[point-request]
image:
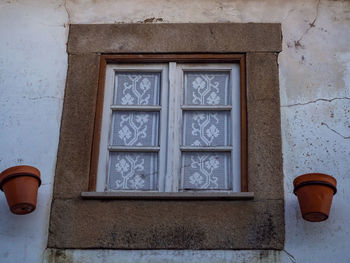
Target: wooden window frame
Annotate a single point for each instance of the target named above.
(166, 58)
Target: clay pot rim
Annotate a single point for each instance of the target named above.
(315, 179)
(314, 183)
(18, 171)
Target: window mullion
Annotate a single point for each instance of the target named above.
(178, 128)
(171, 184)
(163, 131)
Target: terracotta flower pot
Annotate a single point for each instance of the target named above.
(20, 185)
(315, 193)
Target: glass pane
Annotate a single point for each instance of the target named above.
(134, 88)
(206, 171)
(207, 88)
(130, 128)
(132, 171)
(206, 128)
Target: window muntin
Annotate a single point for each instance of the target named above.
(193, 134)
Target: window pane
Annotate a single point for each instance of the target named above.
(133, 171)
(131, 128)
(206, 171)
(207, 88)
(134, 88)
(206, 128)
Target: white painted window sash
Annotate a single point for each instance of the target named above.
(170, 124)
(109, 107)
(234, 70)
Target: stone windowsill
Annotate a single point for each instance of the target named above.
(169, 195)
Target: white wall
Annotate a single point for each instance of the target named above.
(315, 111)
(33, 65)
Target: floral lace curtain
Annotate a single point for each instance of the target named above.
(209, 170)
(206, 170)
(134, 170)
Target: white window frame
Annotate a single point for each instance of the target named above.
(171, 122)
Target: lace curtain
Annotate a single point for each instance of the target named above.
(209, 128)
(134, 170)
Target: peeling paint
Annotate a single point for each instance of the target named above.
(151, 20)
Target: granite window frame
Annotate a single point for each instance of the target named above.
(174, 224)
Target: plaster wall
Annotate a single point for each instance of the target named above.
(315, 113)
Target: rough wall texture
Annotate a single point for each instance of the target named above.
(79, 109)
(218, 38)
(314, 72)
(33, 66)
(167, 224)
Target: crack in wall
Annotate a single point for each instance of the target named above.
(42, 97)
(314, 101)
(67, 11)
(336, 132)
(322, 123)
(290, 256)
(297, 43)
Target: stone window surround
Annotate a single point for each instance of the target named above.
(174, 224)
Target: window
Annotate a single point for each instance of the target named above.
(144, 220)
(170, 127)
